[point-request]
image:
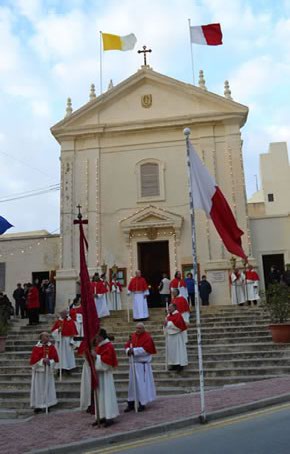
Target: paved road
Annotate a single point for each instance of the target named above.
(263, 432)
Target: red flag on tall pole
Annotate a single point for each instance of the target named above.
(91, 321)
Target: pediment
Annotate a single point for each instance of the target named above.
(151, 216)
(171, 99)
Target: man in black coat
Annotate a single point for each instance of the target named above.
(19, 299)
(204, 288)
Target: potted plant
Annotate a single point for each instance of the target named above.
(277, 304)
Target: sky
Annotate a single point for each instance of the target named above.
(49, 50)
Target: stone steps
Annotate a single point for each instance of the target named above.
(237, 348)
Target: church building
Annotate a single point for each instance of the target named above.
(123, 159)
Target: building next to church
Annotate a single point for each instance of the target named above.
(123, 159)
(269, 211)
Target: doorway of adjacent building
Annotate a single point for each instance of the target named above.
(270, 260)
(153, 260)
(39, 276)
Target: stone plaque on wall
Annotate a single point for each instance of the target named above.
(216, 276)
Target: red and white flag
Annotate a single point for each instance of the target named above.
(207, 196)
(210, 35)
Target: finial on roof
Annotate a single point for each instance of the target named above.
(201, 80)
(111, 85)
(227, 91)
(68, 109)
(92, 92)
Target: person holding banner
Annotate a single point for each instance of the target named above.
(43, 359)
(63, 332)
(139, 287)
(174, 327)
(140, 348)
(237, 279)
(100, 290)
(116, 289)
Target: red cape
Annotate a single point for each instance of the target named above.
(176, 283)
(33, 298)
(107, 354)
(177, 320)
(68, 327)
(117, 284)
(74, 311)
(181, 304)
(143, 340)
(138, 284)
(43, 351)
(99, 287)
(252, 276)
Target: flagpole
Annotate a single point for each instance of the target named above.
(101, 63)
(202, 416)
(191, 52)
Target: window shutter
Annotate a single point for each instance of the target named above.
(150, 180)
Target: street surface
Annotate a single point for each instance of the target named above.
(262, 432)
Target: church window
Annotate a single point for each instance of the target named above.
(150, 180)
(270, 197)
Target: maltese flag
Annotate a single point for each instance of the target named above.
(210, 35)
(207, 196)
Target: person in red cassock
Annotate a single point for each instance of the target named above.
(183, 307)
(76, 314)
(252, 285)
(141, 389)
(138, 286)
(105, 362)
(100, 290)
(33, 304)
(174, 326)
(63, 331)
(43, 359)
(180, 284)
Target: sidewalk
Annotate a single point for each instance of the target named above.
(60, 428)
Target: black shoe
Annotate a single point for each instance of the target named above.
(179, 368)
(141, 408)
(37, 410)
(108, 423)
(128, 409)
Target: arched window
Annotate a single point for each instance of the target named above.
(149, 179)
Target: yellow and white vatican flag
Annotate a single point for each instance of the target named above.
(116, 42)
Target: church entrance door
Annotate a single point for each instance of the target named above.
(153, 260)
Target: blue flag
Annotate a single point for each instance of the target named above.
(4, 225)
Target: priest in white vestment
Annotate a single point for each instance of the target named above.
(174, 327)
(140, 349)
(43, 359)
(116, 289)
(238, 287)
(138, 286)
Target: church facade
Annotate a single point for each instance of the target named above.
(123, 159)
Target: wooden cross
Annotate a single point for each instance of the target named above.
(79, 220)
(144, 51)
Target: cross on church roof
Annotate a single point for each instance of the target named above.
(144, 51)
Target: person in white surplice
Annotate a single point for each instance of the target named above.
(140, 349)
(105, 362)
(252, 285)
(43, 359)
(138, 286)
(116, 289)
(174, 327)
(238, 287)
(63, 331)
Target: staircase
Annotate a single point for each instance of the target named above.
(237, 348)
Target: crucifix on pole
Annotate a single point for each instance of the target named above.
(144, 51)
(80, 216)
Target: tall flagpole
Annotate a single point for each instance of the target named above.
(191, 52)
(202, 417)
(101, 63)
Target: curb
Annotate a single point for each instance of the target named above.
(94, 443)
